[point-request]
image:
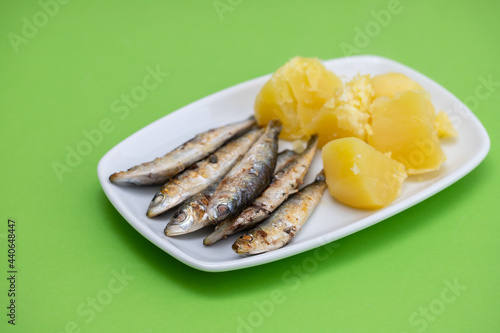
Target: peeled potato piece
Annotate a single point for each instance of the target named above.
(295, 94)
(392, 83)
(360, 176)
(404, 127)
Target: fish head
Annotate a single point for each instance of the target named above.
(180, 225)
(258, 241)
(123, 179)
(244, 245)
(250, 243)
(158, 205)
(186, 219)
(181, 222)
(220, 210)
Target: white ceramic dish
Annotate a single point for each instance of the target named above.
(331, 220)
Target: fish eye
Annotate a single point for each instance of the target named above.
(223, 209)
(179, 217)
(158, 198)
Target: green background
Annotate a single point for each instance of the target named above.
(72, 243)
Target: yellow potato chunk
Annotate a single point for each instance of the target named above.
(443, 126)
(391, 83)
(295, 94)
(360, 176)
(346, 114)
(404, 127)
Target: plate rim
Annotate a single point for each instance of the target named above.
(315, 242)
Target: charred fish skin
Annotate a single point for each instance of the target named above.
(200, 175)
(284, 223)
(192, 214)
(162, 168)
(284, 183)
(248, 178)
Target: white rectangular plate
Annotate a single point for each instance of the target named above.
(331, 220)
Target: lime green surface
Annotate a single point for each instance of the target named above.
(60, 79)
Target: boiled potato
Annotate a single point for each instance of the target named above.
(360, 176)
(404, 127)
(295, 94)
